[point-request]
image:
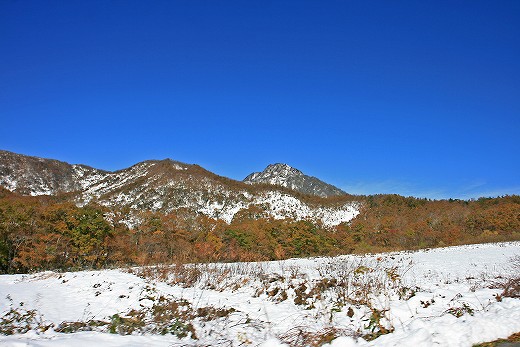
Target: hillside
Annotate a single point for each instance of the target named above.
(37, 176)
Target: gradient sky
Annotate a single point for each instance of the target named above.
(411, 97)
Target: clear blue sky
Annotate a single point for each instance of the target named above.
(411, 97)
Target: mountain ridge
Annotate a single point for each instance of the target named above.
(165, 186)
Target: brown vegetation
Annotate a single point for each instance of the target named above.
(512, 340)
(50, 233)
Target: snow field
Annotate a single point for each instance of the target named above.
(438, 297)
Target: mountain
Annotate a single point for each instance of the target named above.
(37, 176)
(166, 186)
(289, 177)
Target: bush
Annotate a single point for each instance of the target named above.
(20, 320)
(510, 285)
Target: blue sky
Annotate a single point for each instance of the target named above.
(410, 97)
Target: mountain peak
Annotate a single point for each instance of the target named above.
(286, 176)
(282, 169)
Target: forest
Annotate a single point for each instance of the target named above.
(43, 233)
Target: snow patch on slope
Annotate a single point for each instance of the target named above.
(113, 181)
(282, 206)
(87, 177)
(9, 183)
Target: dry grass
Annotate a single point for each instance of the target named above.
(306, 337)
(330, 290)
(217, 276)
(513, 339)
(510, 285)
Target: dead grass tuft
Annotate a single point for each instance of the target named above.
(510, 285)
(306, 337)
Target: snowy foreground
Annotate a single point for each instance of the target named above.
(441, 297)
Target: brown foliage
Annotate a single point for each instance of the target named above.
(392, 222)
(47, 233)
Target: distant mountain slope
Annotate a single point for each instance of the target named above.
(289, 177)
(165, 186)
(37, 176)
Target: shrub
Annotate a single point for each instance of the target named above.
(20, 320)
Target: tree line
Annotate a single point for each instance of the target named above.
(42, 233)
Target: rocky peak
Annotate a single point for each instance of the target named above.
(286, 176)
(282, 170)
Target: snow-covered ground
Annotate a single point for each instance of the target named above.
(438, 297)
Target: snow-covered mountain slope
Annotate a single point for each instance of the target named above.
(37, 176)
(289, 177)
(440, 297)
(164, 186)
(167, 186)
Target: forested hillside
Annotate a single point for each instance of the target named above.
(38, 233)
